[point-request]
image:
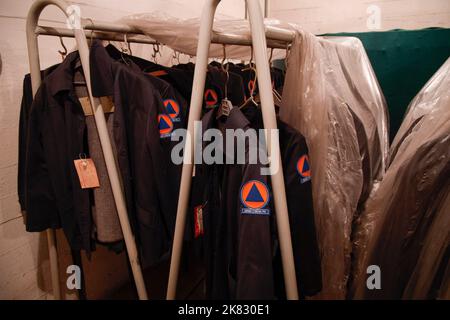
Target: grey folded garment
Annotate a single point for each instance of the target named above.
(104, 212)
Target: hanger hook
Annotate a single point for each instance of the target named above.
(127, 44)
(92, 31)
(251, 57)
(155, 51)
(225, 69)
(62, 53)
(175, 57)
(286, 58)
(270, 57)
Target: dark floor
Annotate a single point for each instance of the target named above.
(190, 282)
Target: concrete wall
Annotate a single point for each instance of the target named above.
(24, 268)
(330, 16)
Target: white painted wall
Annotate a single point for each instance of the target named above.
(24, 269)
(331, 16)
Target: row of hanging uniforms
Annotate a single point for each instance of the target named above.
(405, 227)
(144, 103)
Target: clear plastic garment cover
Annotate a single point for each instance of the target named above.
(182, 34)
(332, 97)
(405, 226)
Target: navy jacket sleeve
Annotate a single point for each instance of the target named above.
(297, 175)
(55, 138)
(40, 198)
(254, 254)
(253, 248)
(27, 99)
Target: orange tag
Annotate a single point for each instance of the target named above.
(87, 173)
(158, 73)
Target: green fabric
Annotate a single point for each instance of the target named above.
(403, 62)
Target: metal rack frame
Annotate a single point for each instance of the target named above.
(258, 39)
(276, 38)
(33, 31)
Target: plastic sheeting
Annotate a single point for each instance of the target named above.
(432, 259)
(405, 226)
(431, 99)
(182, 34)
(332, 97)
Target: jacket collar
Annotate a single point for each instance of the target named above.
(102, 70)
(103, 67)
(235, 120)
(61, 79)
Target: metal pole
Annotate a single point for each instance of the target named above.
(266, 8)
(204, 41)
(110, 161)
(68, 33)
(270, 123)
(35, 73)
(277, 37)
(231, 39)
(88, 24)
(111, 167)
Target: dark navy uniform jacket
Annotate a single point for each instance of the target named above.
(143, 124)
(241, 247)
(181, 80)
(27, 100)
(147, 111)
(55, 137)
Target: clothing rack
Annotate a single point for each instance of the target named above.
(33, 30)
(258, 39)
(276, 38)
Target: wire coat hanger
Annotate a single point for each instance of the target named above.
(156, 50)
(250, 99)
(92, 32)
(124, 49)
(128, 44)
(62, 53)
(276, 94)
(225, 106)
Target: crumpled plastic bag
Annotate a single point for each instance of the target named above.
(405, 226)
(332, 97)
(182, 34)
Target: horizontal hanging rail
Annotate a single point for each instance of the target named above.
(62, 32)
(276, 37)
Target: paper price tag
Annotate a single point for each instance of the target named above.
(87, 173)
